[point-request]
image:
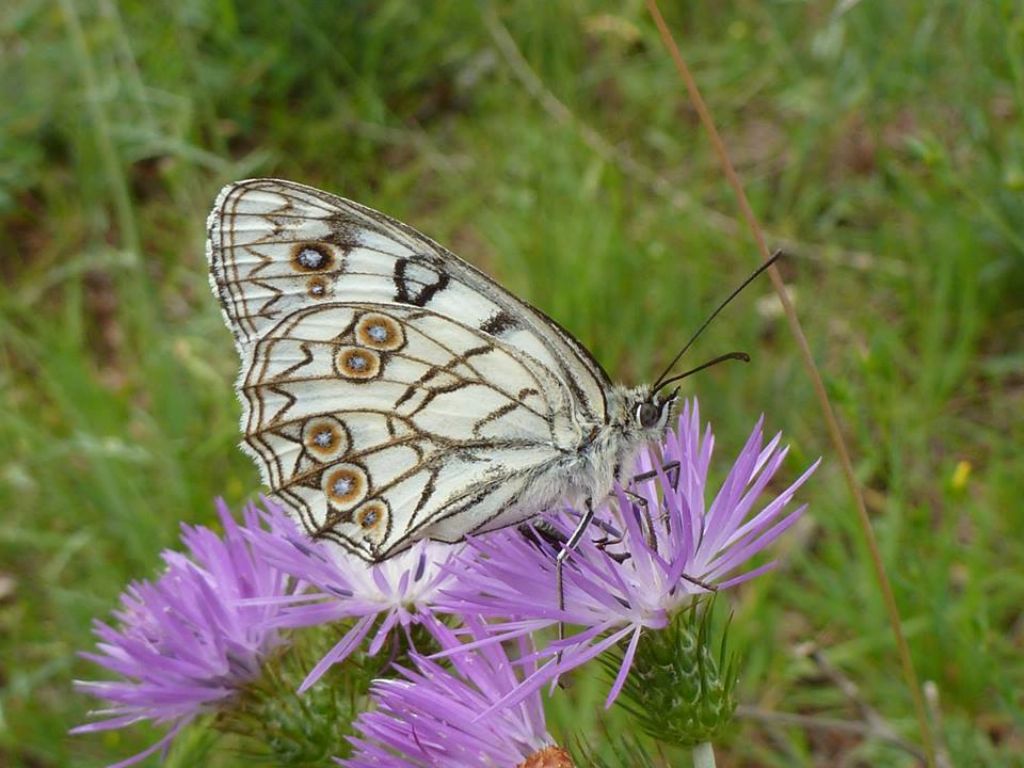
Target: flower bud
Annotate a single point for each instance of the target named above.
(681, 688)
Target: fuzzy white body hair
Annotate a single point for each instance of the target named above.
(602, 454)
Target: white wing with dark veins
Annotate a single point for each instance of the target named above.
(386, 384)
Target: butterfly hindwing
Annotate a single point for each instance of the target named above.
(396, 413)
(390, 391)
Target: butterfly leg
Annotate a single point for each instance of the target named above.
(570, 545)
(668, 469)
(641, 503)
(643, 517)
(672, 472)
(621, 557)
(702, 584)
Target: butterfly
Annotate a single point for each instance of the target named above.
(392, 392)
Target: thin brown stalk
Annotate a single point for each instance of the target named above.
(621, 158)
(832, 423)
(866, 730)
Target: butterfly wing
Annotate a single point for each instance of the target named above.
(389, 389)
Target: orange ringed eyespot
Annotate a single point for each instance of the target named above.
(325, 438)
(345, 485)
(317, 287)
(357, 363)
(373, 517)
(378, 331)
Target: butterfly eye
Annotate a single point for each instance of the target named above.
(647, 415)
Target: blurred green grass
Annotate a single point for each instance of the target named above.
(883, 141)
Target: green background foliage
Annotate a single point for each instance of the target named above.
(881, 142)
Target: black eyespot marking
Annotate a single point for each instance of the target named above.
(345, 485)
(369, 518)
(311, 257)
(647, 415)
(374, 518)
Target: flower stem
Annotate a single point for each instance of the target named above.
(704, 755)
(831, 421)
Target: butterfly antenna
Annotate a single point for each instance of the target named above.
(660, 382)
(742, 356)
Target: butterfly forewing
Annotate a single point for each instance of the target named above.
(276, 246)
(390, 391)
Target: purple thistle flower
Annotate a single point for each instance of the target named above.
(636, 568)
(430, 716)
(401, 591)
(187, 641)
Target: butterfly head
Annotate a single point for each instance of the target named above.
(647, 412)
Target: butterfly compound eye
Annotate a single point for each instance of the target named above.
(647, 415)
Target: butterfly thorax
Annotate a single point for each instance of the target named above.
(606, 451)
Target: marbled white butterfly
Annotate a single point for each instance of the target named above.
(392, 392)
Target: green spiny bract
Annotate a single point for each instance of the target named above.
(278, 726)
(681, 689)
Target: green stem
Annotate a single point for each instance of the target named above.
(704, 755)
